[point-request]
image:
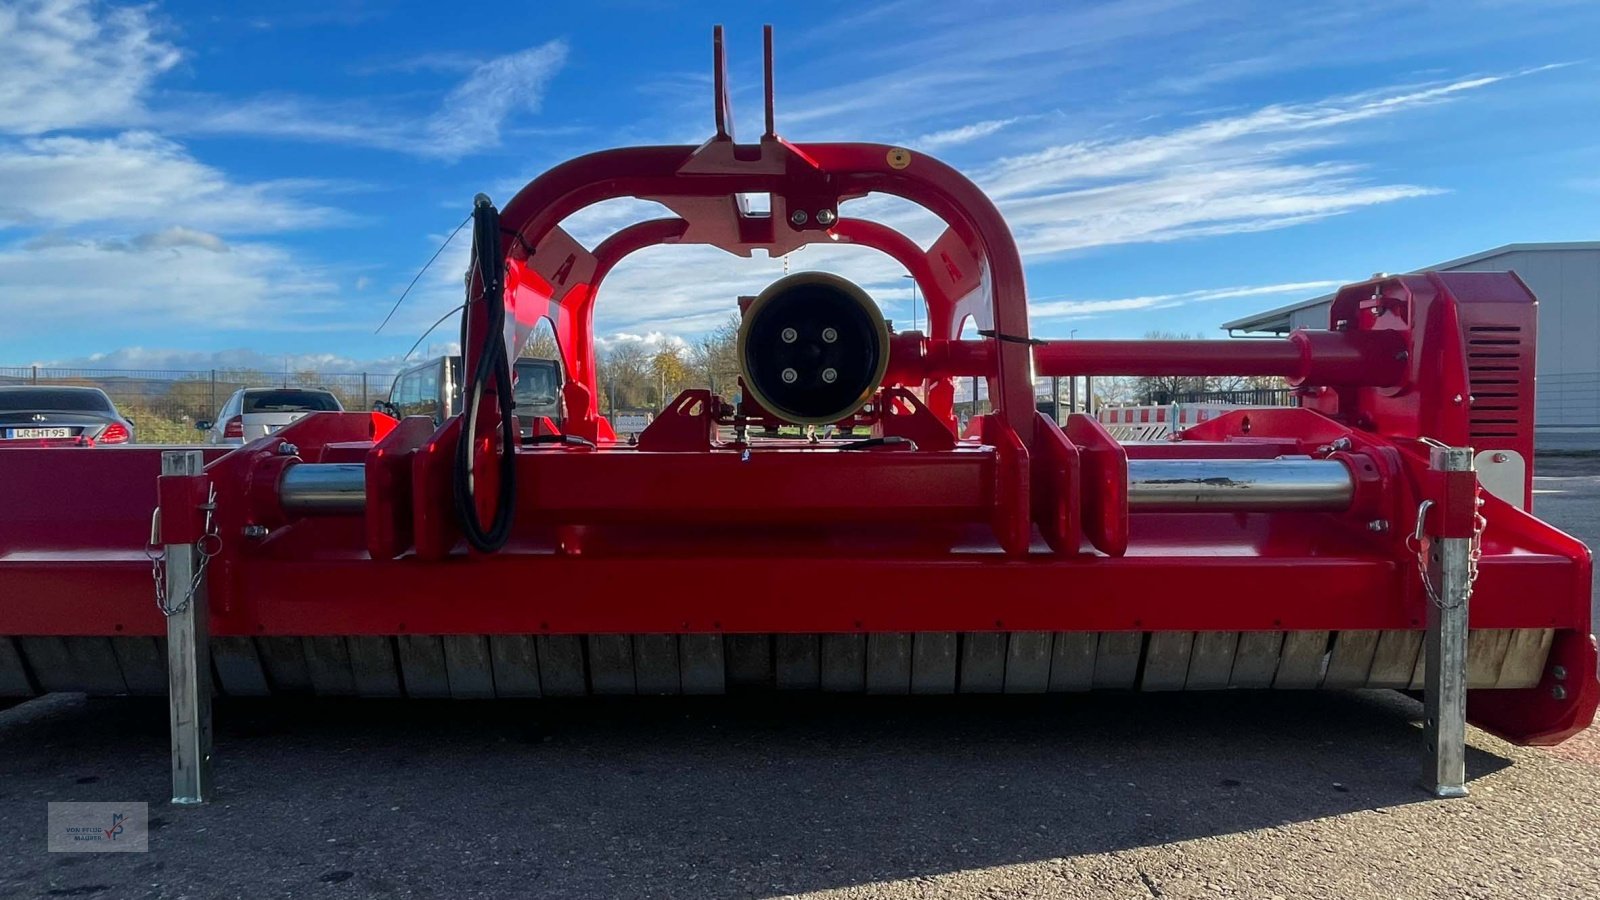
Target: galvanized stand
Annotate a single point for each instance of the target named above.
(1449, 570)
(188, 655)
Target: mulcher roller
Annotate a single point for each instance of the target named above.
(483, 666)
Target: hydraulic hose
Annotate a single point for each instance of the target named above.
(492, 364)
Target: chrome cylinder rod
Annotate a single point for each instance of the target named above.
(312, 489)
(1154, 485)
(1238, 485)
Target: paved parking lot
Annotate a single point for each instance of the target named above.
(1137, 796)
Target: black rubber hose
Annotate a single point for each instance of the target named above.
(492, 365)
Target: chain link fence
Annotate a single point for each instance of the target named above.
(164, 405)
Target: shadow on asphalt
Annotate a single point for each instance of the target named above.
(714, 797)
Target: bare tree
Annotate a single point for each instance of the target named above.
(542, 343)
(713, 359)
(624, 377)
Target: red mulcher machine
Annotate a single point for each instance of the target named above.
(1339, 544)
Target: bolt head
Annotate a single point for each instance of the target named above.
(287, 449)
(1456, 399)
(789, 335)
(1559, 673)
(1378, 526)
(829, 335)
(829, 376)
(255, 531)
(790, 376)
(799, 217)
(825, 217)
(1558, 692)
(1499, 457)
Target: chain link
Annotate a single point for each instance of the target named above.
(209, 545)
(1418, 542)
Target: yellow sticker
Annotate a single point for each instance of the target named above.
(899, 159)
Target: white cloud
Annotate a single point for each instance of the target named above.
(234, 358)
(75, 64)
(178, 236)
(960, 135)
(137, 177)
(475, 110)
(1240, 173)
(165, 281)
(469, 118)
(652, 341)
(1060, 308)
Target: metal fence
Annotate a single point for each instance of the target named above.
(165, 404)
(1279, 396)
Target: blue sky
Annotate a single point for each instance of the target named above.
(182, 185)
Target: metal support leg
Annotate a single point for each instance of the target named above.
(188, 656)
(1449, 568)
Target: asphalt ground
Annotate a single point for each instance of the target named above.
(1254, 795)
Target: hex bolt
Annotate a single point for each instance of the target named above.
(255, 531)
(829, 376)
(829, 335)
(1559, 673)
(825, 217)
(798, 217)
(288, 449)
(1499, 457)
(1456, 399)
(1378, 526)
(1558, 692)
(790, 376)
(790, 335)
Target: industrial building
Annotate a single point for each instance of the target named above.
(1566, 279)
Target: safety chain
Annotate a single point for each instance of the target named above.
(1418, 543)
(209, 545)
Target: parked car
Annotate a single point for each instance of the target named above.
(49, 415)
(253, 413)
(433, 389)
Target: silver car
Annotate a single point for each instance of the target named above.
(257, 412)
(49, 415)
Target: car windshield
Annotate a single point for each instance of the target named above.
(64, 399)
(536, 384)
(290, 401)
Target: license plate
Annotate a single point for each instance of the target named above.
(35, 433)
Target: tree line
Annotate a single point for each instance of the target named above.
(635, 375)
